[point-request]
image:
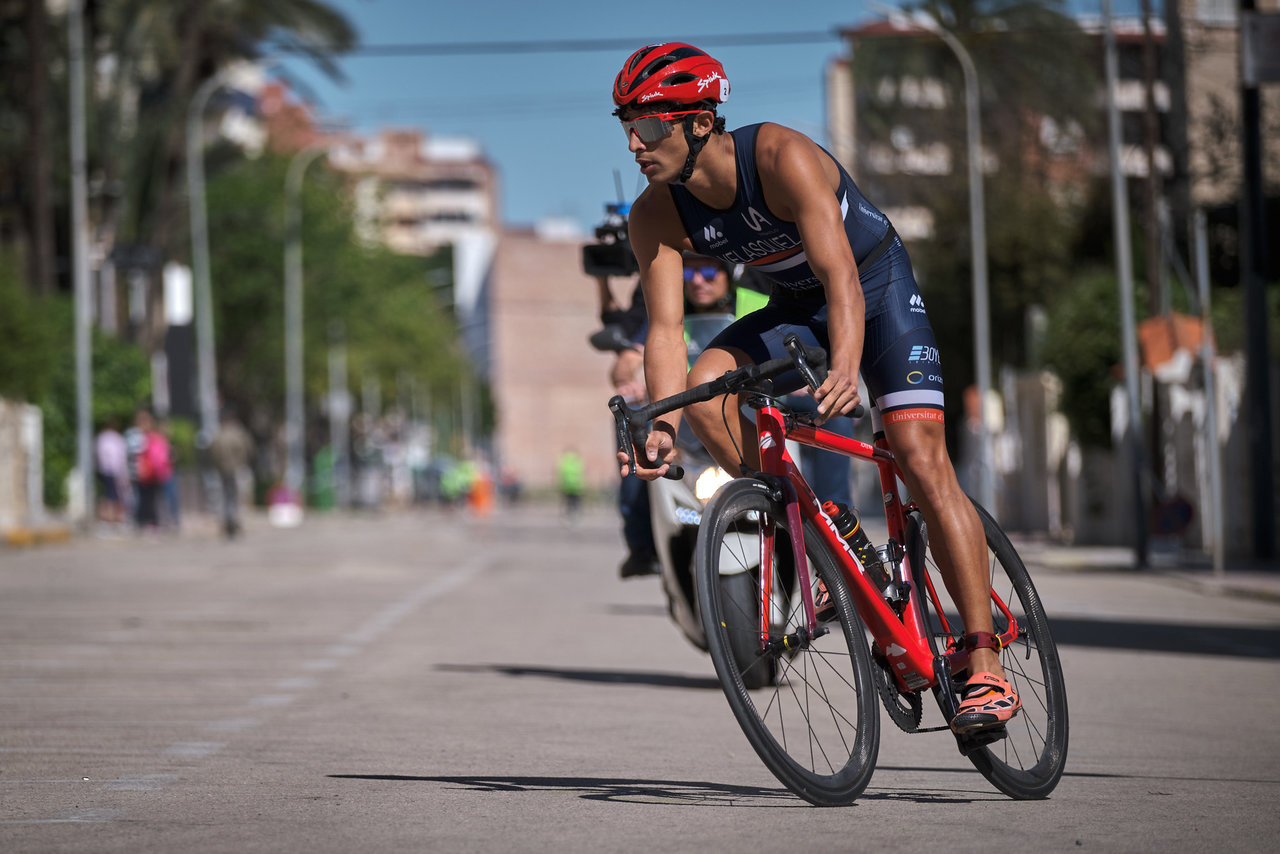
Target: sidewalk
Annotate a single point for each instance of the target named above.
(1250, 579)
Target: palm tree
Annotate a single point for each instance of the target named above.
(146, 59)
(164, 50)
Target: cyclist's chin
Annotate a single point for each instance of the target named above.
(659, 174)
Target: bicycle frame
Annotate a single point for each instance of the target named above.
(904, 640)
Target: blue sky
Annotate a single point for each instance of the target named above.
(543, 118)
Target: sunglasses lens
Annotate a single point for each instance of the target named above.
(647, 128)
(707, 273)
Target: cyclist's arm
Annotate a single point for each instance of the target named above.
(657, 238)
(799, 181)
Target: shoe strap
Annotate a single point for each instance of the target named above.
(982, 640)
(983, 683)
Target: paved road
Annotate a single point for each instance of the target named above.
(427, 682)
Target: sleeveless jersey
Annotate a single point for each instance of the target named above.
(749, 233)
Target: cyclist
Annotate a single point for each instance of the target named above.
(769, 197)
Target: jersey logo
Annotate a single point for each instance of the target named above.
(917, 303)
(755, 220)
(711, 235)
(921, 353)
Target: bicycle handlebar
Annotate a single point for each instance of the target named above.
(811, 362)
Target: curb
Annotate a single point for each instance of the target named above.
(22, 537)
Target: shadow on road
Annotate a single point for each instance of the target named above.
(666, 792)
(1177, 638)
(572, 674)
(663, 792)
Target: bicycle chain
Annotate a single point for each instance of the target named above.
(905, 710)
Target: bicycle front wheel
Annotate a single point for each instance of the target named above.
(808, 706)
(1028, 762)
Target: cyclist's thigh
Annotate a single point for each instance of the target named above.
(900, 361)
(760, 334)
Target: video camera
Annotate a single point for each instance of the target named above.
(611, 254)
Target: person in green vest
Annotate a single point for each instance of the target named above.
(571, 476)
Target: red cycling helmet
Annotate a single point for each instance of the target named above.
(671, 73)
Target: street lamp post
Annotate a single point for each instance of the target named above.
(295, 420)
(206, 369)
(80, 256)
(1124, 263)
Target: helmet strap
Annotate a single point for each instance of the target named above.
(695, 145)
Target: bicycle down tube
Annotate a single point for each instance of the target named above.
(898, 637)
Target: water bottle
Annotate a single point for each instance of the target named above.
(849, 526)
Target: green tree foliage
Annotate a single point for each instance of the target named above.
(161, 51)
(393, 326)
(37, 365)
(28, 334)
(146, 59)
(1082, 346)
(121, 385)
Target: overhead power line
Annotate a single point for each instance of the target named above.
(571, 45)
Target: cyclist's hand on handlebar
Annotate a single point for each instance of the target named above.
(658, 450)
(838, 395)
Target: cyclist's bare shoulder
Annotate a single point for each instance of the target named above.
(791, 164)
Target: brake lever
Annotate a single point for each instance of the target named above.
(809, 373)
(801, 355)
(627, 445)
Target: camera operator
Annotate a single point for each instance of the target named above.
(610, 257)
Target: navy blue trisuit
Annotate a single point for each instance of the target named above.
(900, 365)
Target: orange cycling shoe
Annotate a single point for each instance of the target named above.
(824, 606)
(986, 701)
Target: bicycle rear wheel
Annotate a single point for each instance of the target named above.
(809, 709)
(1028, 763)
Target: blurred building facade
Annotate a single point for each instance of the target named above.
(895, 166)
(1047, 482)
(417, 194)
(550, 388)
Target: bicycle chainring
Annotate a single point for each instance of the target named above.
(905, 710)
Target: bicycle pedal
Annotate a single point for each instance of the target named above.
(974, 741)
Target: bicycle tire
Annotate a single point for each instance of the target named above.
(1028, 763)
(815, 724)
(740, 591)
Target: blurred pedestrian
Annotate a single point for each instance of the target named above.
(229, 454)
(571, 477)
(112, 466)
(168, 497)
(152, 467)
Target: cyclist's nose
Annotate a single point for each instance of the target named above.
(634, 145)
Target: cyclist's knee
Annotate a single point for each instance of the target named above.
(921, 452)
(707, 416)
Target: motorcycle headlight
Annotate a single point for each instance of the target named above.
(711, 479)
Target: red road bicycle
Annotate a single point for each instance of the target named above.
(802, 680)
